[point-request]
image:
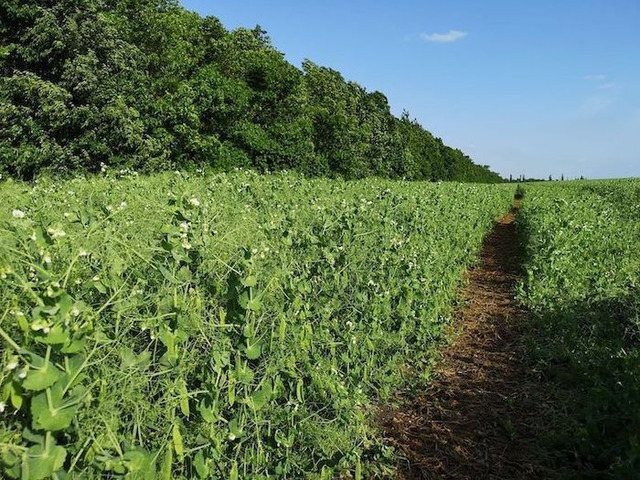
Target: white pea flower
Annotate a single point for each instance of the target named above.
(46, 258)
(56, 232)
(3, 406)
(185, 243)
(13, 364)
(23, 374)
(83, 253)
(39, 325)
(123, 205)
(75, 312)
(195, 202)
(184, 227)
(18, 213)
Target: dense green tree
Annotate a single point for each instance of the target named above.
(146, 84)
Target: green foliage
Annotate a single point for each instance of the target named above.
(221, 326)
(583, 284)
(150, 86)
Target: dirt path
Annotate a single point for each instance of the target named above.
(478, 418)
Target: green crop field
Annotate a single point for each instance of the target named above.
(240, 325)
(221, 326)
(582, 284)
(223, 260)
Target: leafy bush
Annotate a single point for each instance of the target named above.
(151, 86)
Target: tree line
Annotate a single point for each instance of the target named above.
(149, 85)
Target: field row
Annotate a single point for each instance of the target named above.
(583, 286)
(227, 326)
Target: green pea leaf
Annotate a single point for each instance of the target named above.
(243, 373)
(261, 397)
(254, 305)
(57, 335)
(184, 275)
(66, 304)
(53, 411)
(202, 468)
(140, 464)
(235, 429)
(253, 349)
(44, 460)
(75, 345)
(41, 378)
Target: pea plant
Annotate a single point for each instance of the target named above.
(221, 326)
(583, 286)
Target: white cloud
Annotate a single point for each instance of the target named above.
(598, 77)
(449, 37)
(609, 86)
(596, 105)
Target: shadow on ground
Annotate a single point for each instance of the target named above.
(588, 354)
(518, 395)
(480, 415)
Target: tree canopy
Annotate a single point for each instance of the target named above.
(148, 85)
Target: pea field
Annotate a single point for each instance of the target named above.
(224, 326)
(246, 326)
(582, 285)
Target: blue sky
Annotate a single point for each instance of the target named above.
(528, 87)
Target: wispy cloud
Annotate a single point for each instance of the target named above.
(449, 37)
(596, 105)
(602, 82)
(609, 86)
(605, 93)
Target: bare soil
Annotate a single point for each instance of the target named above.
(480, 416)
